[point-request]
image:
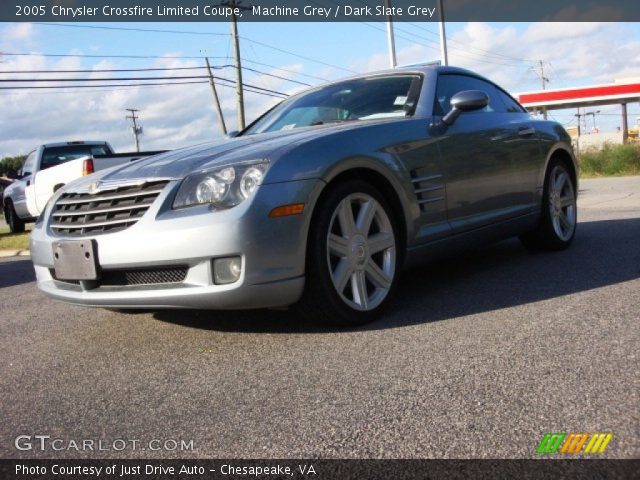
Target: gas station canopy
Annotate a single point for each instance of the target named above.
(621, 92)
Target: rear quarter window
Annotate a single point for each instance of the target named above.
(53, 156)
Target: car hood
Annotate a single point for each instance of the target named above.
(177, 164)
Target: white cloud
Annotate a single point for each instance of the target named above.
(172, 116)
(17, 32)
(176, 116)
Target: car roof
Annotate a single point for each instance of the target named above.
(416, 68)
(75, 142)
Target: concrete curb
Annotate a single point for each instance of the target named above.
(14, 253)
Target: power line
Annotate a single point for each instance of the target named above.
(78, 55)
(432, 45)
(467, 47)
(120, 70)
(130, 29)
(110, 70)
(229, 83)
(191, 32)
(99, 79)
(30, 87)
(436, 46)
(119, 87)
(61, 55)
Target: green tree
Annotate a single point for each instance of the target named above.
(9, 166)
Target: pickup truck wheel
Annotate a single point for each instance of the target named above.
(558, 219)
(352, 257)
(15, 224)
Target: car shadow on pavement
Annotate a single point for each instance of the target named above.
(16, 272)
(491, 278)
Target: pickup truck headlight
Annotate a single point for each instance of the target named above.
(223, 187)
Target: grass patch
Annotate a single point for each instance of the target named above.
(14, 241)
(611, 161)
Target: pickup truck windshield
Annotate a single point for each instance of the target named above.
(360, 99)
(53, 156)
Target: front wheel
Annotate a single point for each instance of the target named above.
(16, 225)
(558, 219)
(352, 257)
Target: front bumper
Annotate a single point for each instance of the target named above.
(272, 252)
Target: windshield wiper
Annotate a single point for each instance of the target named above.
(320, 122)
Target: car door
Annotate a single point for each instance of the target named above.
(527, 157)
(19, 198)
(477, 156)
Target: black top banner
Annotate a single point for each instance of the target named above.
(318, 10)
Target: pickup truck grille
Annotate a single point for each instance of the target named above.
(76, 214)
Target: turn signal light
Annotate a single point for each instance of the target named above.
(286, 210)
(87, 167)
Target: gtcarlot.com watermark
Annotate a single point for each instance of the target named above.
(45, 443)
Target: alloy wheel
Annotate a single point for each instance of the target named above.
(361, 251)
(562, 203)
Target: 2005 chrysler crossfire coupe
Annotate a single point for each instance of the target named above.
(318, 203)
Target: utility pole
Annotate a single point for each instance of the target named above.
(216, 100)
(580, 116)
(236, 51)
(134, 127)
(625, 124)
(540, 72)
(390, 36)
(443, 37)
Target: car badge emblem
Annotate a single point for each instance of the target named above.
(94, 187)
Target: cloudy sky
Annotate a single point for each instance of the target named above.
(574, 54)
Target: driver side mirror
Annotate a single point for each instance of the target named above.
(465, 101)
(233, 134)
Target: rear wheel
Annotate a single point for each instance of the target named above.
(558, 219)
(15, 224)
(352, 258)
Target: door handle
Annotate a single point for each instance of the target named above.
(28, 182)
(526, 131)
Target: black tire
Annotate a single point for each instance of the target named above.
(321, 301)
(546, 236)
(15, 224)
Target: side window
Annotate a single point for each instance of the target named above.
(510, 104)
(29, 164)
(449, 85)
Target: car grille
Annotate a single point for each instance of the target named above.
(140, 276)
(144, 276)
(76, 214)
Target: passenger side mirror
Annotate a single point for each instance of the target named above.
(233, 134)
(465, 101)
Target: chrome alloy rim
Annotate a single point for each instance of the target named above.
(562, 204)
(361, 252)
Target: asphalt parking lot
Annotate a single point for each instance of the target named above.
(478, 357)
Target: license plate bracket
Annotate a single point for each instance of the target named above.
(75, 260)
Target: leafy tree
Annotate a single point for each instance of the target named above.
(9, 166)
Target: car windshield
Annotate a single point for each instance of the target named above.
(360, 99)
(53, 156)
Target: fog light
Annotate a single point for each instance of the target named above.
(227, 270)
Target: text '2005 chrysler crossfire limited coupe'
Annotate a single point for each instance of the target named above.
(317, 204)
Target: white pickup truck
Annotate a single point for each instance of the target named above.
(50, 167)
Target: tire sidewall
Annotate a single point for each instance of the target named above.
(547, 222)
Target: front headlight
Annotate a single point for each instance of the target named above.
(223, 187)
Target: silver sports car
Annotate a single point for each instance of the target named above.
(318, 203)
